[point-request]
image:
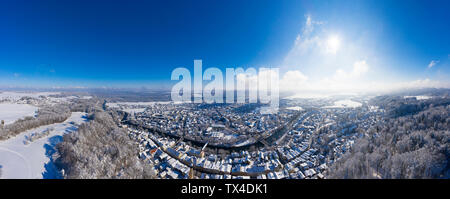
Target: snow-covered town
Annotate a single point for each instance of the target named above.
(193, 141)
(46, 134)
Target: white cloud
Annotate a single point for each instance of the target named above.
(342, 82)
(313, 46)
(260, 79)
(293, 80)
(309, 24)
(304, 41)
(324, 62)
(294, 76)
(420, 83)
(360, 68)
(433, 63)
(352, 81)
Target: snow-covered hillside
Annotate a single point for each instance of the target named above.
(32, 160)
(38, 98)
(17, 95)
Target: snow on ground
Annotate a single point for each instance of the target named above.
(295, 108)
(117, 104)
(419, 97)
(243, 143)
(307, 96)
(11, 112)
(59, 100)
(56, 98)
(134, 110)
(344, 104)
(20, 160)
(18, 95)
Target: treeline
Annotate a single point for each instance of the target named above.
(397, 106)
(87, 105)
(45, 116)
(99, 149)
(410, 146)
(50, 115)
(141, 95)
(37, 135)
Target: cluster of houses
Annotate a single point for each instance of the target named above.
(299, 154)
(171, 158)
(217, 125)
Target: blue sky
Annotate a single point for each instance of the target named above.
(139, 43)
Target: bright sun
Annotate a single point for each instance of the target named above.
(333, 44)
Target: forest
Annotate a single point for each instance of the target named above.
(413, 141)
(99, 150)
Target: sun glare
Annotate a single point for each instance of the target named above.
(333, 44)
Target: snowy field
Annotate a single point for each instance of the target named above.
(20, 160)
(18, 95)
(11, 112)
(307, 96)
(295, 108)
(344, 104)
(15, 97)
(419, 97)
